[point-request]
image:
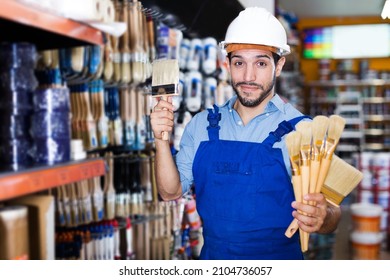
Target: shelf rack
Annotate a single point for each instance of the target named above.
(374, 98)
(22, 23)
(19, 22)
(14, 184)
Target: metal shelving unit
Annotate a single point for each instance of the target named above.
(13, 184)
(373, 99)
(19, 22)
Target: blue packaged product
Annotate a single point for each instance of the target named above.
(20, 99)
(15, 153)
(50, 124)
(15, 55)
(16, 79)
(51, 99)
(51, 150)
(14, 126)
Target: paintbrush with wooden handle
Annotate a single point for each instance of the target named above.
(335, 129)
(304, 127)
(165, 81)
(115, 46)
(124, 47)
(293, 144)
(319, 127)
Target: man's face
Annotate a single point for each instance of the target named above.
(253, 73)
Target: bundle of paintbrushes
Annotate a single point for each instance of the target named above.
(315, 169)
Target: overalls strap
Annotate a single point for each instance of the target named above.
(284, 128)
(213, 117)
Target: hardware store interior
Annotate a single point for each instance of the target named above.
(77, 152)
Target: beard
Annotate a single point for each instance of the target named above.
(266, 90)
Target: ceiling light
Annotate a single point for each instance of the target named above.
(386, 10)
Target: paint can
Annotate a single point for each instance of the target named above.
(366, 217)
(366, 245)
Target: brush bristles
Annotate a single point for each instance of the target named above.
(165, 72)
(293, 143)
(335, 128)
(342, 178)
(319, 128)
(304, 127)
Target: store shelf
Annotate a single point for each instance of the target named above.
(347, 148)
(339, 83)
(19, 22)
(14, 184)
(375, 147)
(376, 100)
(377, 118)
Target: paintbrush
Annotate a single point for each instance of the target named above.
(319, 128)
(109, 190)
(342, 178)
(335, 129)
(116, 77)
(124, 46)
(108, 63)
(304, 127)
(165, 81)
(293, 143)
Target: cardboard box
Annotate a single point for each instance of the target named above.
(41, 220)
(14, 241)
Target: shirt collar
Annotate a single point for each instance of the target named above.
(275, 103)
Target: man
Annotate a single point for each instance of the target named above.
(236, 157)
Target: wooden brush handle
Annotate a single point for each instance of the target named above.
(150, 28)
(115, 46)
(124, 47)
(314, 170)
(108, 63)
(165, 135)
(325, 164)
(305, 174)
(292, 228)
(302, 239)
(305, 243)
(297, 184)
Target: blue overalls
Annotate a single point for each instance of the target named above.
(244, 195)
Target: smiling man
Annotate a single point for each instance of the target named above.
(235, 155)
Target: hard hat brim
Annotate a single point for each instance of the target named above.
(236, 47)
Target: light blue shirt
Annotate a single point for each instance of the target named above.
(232, 128)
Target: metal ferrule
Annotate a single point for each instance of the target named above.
(315, 154)
(296, 171)
(305, 155)
(330, 148)
(165, 89)
(332, 195)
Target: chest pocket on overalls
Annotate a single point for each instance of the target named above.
(234, 196)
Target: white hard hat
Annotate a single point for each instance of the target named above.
(257, 26)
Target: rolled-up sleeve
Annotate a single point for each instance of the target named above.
(185, 157)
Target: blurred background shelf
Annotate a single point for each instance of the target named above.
(19, 22)
(14, 184)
